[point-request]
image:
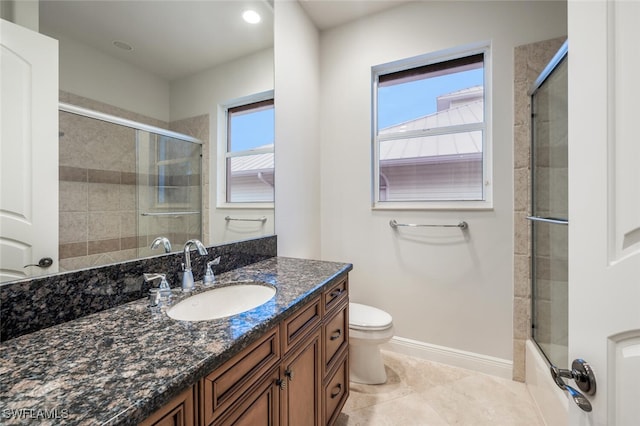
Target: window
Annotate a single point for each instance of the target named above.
(248, 154)
(430, 131)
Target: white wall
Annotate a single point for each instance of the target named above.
(204, 93)
(297, 149)
(87, 72)
(441, 287)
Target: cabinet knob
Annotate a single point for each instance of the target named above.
(289, 374)
(336, 390)
(335, 293)
(281, 384)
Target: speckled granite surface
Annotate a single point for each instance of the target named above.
(33, 304)
(117, 366)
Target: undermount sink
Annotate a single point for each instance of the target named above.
(222, 302)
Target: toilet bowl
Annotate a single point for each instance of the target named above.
(369, 327)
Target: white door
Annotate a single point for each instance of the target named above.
(604, 206)
(28, 152)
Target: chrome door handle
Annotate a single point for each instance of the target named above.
(45, 262)
(583, 375)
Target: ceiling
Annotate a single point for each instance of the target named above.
(331, 13)
(171, 39)
(175, 39)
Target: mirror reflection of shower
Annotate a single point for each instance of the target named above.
(122, 184)
(549, 210)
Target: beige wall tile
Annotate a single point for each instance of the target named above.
(104, 225)
(73, 227)
(73, 197)
(104, 197)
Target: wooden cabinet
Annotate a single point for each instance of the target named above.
(335, 350)
(178, 412)
(296, 374)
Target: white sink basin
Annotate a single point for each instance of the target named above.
(222, 302)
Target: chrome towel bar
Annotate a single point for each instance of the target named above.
(167, 213)
(262, 219)
(394, 224)
(548, 220)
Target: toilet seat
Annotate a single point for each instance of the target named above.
(363, 317)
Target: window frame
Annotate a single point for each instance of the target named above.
(222, 152)
(487, 168)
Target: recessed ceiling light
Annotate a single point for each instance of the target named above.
(251, 16)
(122, 45)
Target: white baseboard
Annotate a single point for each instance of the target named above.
(455, 357)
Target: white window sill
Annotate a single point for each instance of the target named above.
(433, 205)
(246, 206)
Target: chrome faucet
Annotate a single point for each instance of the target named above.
(165, 243)
(187, 274)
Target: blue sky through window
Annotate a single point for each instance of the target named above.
(251, 130)
(407, 101)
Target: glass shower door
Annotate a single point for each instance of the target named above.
(169, 190)
(550, 212)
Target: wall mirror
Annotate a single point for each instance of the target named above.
(168, 64)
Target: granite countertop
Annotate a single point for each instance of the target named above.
(118, 366)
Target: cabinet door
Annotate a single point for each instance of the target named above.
(301, 397)
(260, 408)
(178, 412)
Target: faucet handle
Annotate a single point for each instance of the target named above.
(150, 277)
(209, 278)
(164, 285)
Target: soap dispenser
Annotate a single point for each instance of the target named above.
(209, 279)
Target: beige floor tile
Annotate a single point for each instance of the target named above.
(425, 393)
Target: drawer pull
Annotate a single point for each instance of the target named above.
(289, 374)
(335, 293)
(337, 390)
(336, 335)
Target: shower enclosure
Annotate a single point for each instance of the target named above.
(549, 210)
(122, 184)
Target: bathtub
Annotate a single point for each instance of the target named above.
(552, 402)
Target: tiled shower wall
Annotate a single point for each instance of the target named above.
(530, 60)
(98, 214)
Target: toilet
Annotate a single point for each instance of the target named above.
(369, 327)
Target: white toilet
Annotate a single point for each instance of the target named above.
(369, 327)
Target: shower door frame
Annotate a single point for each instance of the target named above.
(560, 57)
(137, 126)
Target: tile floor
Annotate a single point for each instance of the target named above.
(424, 393)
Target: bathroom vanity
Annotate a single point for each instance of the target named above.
(285, 362)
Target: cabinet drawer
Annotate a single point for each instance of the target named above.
(336, 336)
(222, 387)
(300, 324)
(335, 295)
(336, 391)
